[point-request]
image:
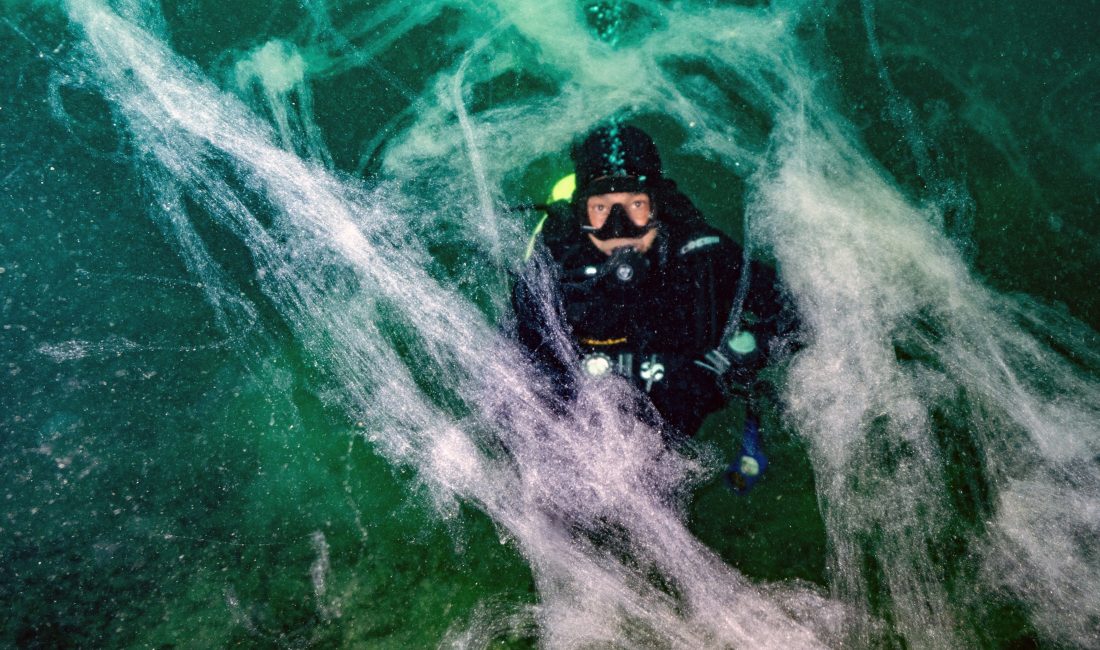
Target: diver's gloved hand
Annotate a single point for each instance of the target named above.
(734, 363)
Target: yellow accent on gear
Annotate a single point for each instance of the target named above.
(563, 189)
(603, 341)
(534, 238)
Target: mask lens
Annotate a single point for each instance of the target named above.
(619, 226)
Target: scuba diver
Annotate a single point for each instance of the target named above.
(627, 278)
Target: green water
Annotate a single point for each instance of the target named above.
(188, 460)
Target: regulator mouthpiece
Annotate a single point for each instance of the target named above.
(626, 267)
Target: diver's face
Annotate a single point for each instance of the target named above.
(639, 211)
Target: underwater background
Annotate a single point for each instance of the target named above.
(254, 273)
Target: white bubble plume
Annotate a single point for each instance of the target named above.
(899, 336)
(907, 356)
(399, 330)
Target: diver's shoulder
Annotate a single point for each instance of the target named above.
(700, 239)
(557, 231)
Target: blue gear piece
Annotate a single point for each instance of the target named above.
(750, 463)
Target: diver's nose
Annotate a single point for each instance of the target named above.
(617, 220)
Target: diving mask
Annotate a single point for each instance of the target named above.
(619, 226)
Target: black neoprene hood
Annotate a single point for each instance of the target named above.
(615, 158)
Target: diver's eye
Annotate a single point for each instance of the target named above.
(639, 204)
(600, 208)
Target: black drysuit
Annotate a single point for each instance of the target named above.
(572, 316)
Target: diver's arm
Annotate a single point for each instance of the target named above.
(740, 349)
(540, 327)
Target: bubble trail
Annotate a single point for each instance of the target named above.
(900, 336)
(916, 380)
(596, 468)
